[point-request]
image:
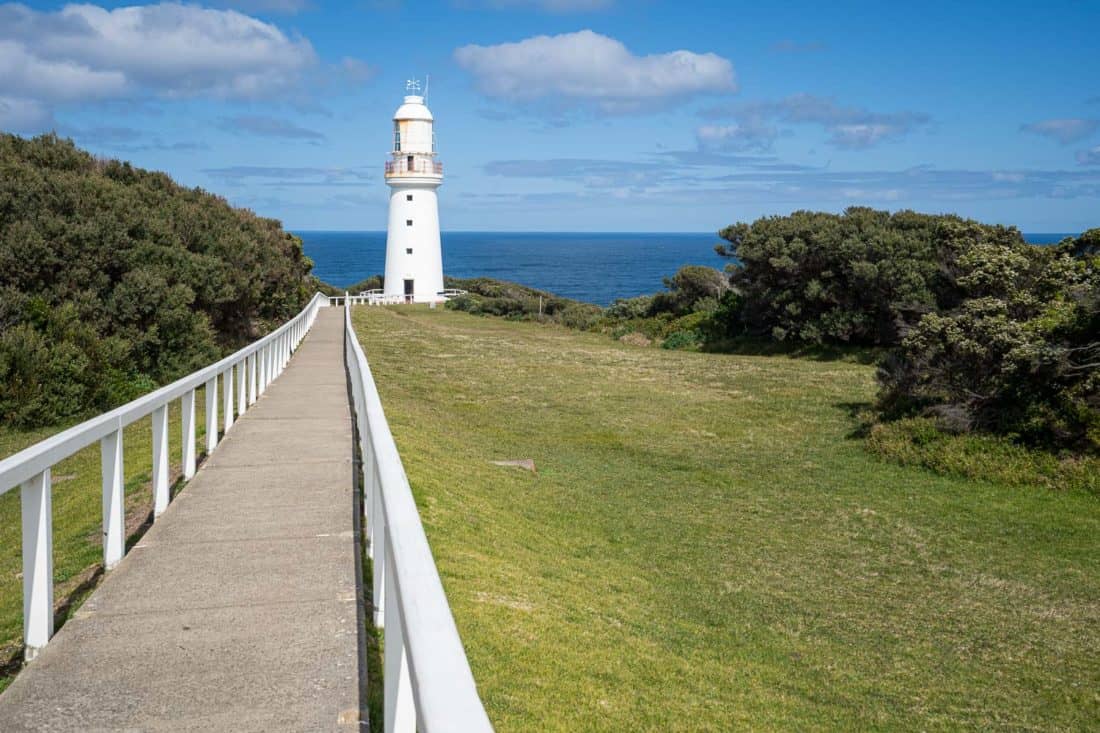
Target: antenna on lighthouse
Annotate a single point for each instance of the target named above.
(427, 83)
(412, 85)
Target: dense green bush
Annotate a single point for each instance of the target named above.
(862, 277)
(1019, 355)
(693, 288)
(113, 279)
(985, 331)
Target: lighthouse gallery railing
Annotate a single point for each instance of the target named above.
(248, 372)
(427, 679)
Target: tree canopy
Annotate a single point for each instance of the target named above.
(113, 279)
(861, 277)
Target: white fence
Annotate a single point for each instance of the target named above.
(245, 374)
(428, 683)
(378, 297)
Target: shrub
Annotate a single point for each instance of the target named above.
(1019, 355)
(691, 286)
(863, 277)
(113, 279)
(681, 340)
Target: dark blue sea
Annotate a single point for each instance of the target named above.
(597, 268)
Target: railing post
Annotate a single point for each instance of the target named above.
(211, 415)
(37, 510)
(378, 552)
(227, 388)
(253, 394)
(114, 501)
(369, 486)
(261, 357)
(400, 711)
(242, 391)
(187, 434)
(160, 460)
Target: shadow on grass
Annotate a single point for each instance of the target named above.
(813, 352)
(861, 415)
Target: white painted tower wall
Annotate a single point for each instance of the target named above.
(413, 247)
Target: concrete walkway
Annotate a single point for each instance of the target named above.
(239, 610)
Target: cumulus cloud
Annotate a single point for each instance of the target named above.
(852, 128)
(1065, 131)
(1089, 157)
(84, 52)
(752, 134)
(764, 179)
(586, 69)
(263, 126)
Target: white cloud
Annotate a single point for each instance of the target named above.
(591, 70)
(85, 52)
(53, 80)
(1065, 131)
(848, 127)
(1089, 157)
(748, 135)
(23, 115)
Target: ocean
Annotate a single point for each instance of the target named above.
(595, 268)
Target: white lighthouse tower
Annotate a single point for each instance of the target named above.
(414, 257)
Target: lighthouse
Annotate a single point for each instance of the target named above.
(414, 257)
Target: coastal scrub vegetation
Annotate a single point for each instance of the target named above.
(983, 330)
(114, 279)
(982, 340)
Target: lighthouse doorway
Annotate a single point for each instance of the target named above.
(408, 291)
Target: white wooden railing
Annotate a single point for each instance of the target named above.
(378, 297)
(248, 371)
(428, 683)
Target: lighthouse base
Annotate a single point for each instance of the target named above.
(414, 258)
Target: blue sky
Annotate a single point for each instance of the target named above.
(582, 115)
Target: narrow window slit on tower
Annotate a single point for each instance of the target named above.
(408, 250)
(408, 197)
(408, 222)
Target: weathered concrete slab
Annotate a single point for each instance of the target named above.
(240, 609)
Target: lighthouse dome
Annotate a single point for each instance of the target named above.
(413, 109)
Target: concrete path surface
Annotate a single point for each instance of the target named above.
(239, 609)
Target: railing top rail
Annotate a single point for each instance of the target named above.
(443, 685)
(31, 461)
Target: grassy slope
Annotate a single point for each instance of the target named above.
(77, 512)
(705, 548)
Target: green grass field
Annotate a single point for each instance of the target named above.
(77, 519)
(708, 546)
